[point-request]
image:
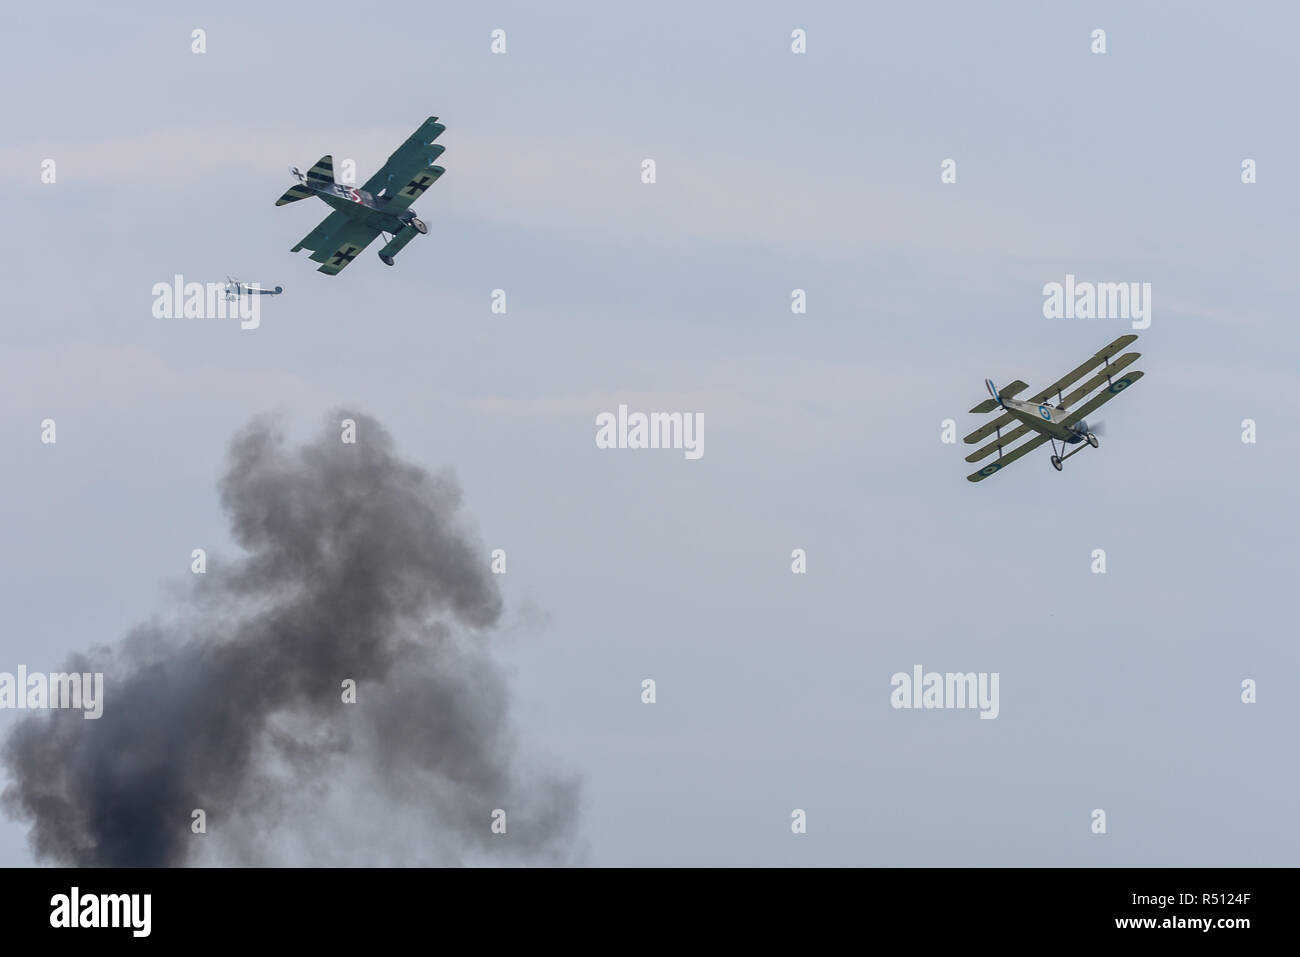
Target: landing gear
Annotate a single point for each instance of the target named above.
(419, 225)
(387, 260)
(1083, 441)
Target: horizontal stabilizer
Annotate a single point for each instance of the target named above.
(1006, 392)
(293, 194)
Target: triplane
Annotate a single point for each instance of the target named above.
(382, 205)
(1053, 423)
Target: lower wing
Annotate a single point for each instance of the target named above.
(1006, 459)
(337, 241)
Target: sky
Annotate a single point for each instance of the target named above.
(775, 171)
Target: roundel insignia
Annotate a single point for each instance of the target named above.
(1120, 385)
(1045, 412)
(990, 469)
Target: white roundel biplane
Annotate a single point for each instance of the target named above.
(1053, 423)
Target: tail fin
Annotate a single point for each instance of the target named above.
(988, 405)
(322, 174)
(318, 177)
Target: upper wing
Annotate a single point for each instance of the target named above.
(1115, 388)
(1007, 459)
(1110, 371)
(1078, 373)
(410, 170)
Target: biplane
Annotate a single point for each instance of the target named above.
(1050, 423)
(382, 205)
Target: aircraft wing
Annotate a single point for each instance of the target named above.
(410, 170)
(344, 247)
(1006, 459)
(331, 225)
(336, 242)
(984, 431)
(1122, 362)
(992, 447)
(1115, 388)
(1078, 373)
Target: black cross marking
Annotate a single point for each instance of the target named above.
(343, 257)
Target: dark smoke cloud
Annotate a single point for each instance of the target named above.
(356, 566)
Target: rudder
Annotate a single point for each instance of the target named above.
(322, 173)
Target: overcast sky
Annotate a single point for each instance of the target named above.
(775, 171)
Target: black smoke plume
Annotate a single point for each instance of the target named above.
(357, 566)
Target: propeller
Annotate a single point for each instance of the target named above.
(1098, 428)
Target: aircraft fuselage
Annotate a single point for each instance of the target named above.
(362, 206)
(1047, 419)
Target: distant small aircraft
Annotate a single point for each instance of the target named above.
(1051, 422)
(382, 205)
(235, 288)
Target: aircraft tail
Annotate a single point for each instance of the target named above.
(318, 177)
(294, 193)
(988, 405)
(322, 174)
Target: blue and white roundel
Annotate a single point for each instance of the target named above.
(1119, 385)
(1045, 412)
(990, 469)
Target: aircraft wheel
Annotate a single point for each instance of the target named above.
(419, 225)
(387, 260)
(1056, 463)
(1093, 440)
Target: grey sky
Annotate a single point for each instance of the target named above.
(775, 172)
